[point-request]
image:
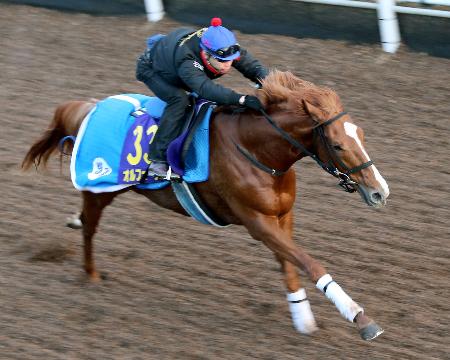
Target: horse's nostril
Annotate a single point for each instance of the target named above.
(377, 197)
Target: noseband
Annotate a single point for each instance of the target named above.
(344, 177)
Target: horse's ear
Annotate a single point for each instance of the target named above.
(313, 111)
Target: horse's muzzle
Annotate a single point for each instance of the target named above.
(373, 197)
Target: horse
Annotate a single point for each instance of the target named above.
(252, 181)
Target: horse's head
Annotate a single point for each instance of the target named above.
(334, 141)
(339, 143)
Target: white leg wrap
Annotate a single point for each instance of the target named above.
(301, 313)
(346, 306)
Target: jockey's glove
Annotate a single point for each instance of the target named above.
(251, 102)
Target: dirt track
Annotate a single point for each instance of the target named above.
(176, 289)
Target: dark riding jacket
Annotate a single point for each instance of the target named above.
(176, 58)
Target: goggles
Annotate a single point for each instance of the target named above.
(225, 52)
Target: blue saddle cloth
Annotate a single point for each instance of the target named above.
(110, 151)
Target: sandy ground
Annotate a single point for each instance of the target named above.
(177, 289)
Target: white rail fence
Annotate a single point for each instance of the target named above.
(386, 10)
(154, 10)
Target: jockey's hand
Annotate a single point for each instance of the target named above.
(252, 102)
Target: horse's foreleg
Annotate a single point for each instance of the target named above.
(266, 228)
(301, 313)
(93, 205)
(299, 306)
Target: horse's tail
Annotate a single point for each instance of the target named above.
(66, 122)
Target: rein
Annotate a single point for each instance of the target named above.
(345, 181)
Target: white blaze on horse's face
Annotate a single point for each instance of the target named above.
(367, 194)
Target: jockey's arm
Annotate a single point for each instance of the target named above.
(250, 67)
(192, 74)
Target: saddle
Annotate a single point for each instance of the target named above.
(110, 151)
(179, 156)
(177, 152)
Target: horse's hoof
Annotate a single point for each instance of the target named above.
(74, 222)
(95, 277)
(371, 331)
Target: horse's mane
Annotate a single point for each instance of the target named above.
(285, 88)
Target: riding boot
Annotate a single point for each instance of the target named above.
(169, 128)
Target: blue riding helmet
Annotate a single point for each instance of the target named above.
(220, 42)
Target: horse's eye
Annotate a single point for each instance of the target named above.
(337, 147)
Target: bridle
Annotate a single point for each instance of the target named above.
(318, 131)
(344, 177)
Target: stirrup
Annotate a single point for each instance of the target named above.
(171, 176)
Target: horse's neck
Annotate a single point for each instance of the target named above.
(268, 144)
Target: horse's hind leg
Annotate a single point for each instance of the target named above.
(299, 306)
(93, 205)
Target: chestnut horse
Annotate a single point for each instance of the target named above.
(252, 181)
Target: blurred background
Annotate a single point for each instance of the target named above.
(424, 25)
(176, 289)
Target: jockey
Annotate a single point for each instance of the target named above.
(187, 61)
